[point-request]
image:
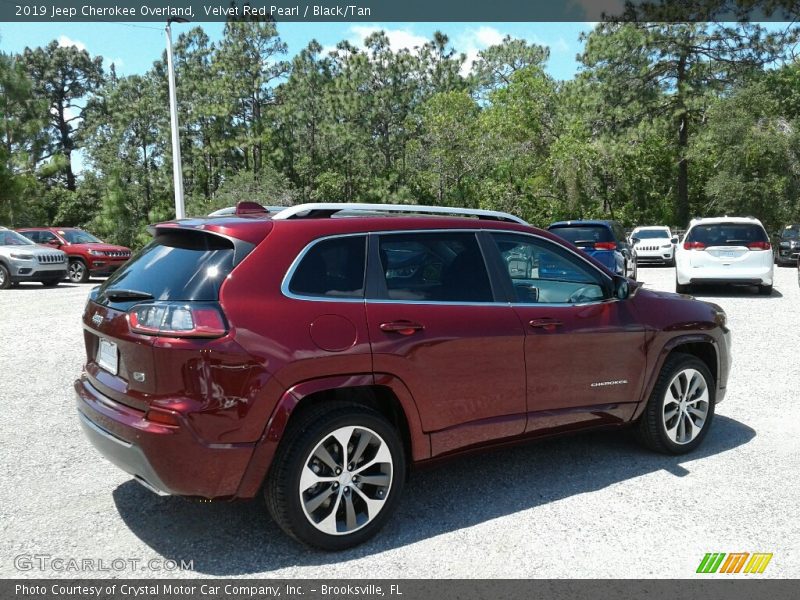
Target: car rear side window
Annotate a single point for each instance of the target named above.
(332, 268)
(727, 234)
(434, 267)
(177, 265)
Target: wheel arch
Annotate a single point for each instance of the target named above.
(383, 393)
(703, 347)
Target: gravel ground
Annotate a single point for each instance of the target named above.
(590, 506)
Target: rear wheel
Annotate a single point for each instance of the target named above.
(681, 406)
(681, 288)
(765, 290)
(78, 272)
(5, 278)
(337, 476)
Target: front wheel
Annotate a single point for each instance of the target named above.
(5, 278)
(337, 476)
(78, 272)
(51, 282)
(681, 406)
(765, 290)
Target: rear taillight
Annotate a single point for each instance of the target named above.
(168, 319)
(759, 245)
(693, 245)
(605, 246)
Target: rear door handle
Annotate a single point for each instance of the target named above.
(402, 327)
(545, 323)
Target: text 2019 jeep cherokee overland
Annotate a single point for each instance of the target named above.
(317, 358)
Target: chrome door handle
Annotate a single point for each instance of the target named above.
(401, 327)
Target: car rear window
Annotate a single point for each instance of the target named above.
(176, 265)
(727, 234)
(578, 234)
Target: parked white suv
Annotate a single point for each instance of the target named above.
(724, 250)
(22, 260)
(654, 245)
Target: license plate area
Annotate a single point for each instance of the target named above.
(108, 356)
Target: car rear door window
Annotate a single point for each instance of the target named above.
(541, 272)
(434, 267)
(332, 268)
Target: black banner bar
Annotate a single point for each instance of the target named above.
(396, 10)
(705, 587)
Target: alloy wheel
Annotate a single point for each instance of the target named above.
(76, 271)
(346, 480)
(686, 404)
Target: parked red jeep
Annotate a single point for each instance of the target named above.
(316, 356)
(88, 256)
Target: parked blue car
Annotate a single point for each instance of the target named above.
(605, 241)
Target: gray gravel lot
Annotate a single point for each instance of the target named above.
(590, 506)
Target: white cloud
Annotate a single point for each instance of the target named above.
(561, 45)
(398, 38)
(472, 41)
(487, 36)
(117, 62)
(66, 42)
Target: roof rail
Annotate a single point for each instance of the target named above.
(328, 209)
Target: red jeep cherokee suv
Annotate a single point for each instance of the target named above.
(87, 255)
(316, 358)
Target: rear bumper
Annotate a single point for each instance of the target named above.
(168, 460)
(750, 275)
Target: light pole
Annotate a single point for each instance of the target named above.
(177, 170)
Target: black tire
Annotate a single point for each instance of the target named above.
(77, 271)
(682, 289)
(5, 277)
(306, 432)
(651, 429)
(51, 282)
(765, 290)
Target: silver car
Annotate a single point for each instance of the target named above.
(22, 260)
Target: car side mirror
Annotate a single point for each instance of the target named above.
(55, 243)
(635, 240)
(674, 239)
(621, 288)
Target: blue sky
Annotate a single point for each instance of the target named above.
(134, 46)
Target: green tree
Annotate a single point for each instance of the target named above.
(65, 77)
(648, 70)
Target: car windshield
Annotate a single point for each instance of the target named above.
(578, 234)
(76, 236)
(727, 234)
(791, 233)
(650, 234)
(12, 238)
